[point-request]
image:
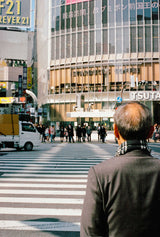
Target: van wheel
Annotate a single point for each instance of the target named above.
(28, 146)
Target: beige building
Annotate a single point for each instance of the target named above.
(104, 52)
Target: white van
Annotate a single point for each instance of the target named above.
(28, 137)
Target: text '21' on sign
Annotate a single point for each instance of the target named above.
(15, 13)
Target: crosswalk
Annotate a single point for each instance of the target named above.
(44, 191)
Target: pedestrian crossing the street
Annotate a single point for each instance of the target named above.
(44, 191)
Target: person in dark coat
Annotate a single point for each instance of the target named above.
(61, 133)
(70, 133)
(89, 132)
(79, 132)
(84, 133)
(123, 193)
(103, 133)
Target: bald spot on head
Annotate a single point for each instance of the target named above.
(133, 120)
(133, 113)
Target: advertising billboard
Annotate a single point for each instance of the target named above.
(15, 13)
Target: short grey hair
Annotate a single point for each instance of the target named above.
(133, 120)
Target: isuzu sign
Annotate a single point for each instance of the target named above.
(15, 13)
(145, 95)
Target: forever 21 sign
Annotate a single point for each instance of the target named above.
(15, 13)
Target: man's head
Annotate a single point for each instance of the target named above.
(133, 120)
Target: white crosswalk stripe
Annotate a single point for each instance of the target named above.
(45, 191)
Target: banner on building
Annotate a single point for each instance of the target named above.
(29, 78)
(15, 13)
(68, 2)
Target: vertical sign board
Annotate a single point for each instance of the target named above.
(20, 85)
(15, 13)
(29, 78)
(24, 78)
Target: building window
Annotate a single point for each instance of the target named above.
(118, 13)
(132, 12)
(105, 41)
(98, 42)
(125, 12)
(147, 11)
(112, 41)
(85, 46)
(155, 38)
(91, 52)
(79, 45)
(68, 46)
(85, 15)
(74, 45)
(104, 13)
(148, 39)
(57, 18)
(140, 12)
(79, 16)
(63, 17)
(140, 39)
(52, 48)
(119, 40)
(73, 17)
(68, 18)
(155, 6)
(57, 47)
(98, 13)
(91, 15)
(111, 12)
(125, 40)
(63, 46)
(133, 39)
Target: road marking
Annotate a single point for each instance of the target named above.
(40, 211)
(42, 192)
(47, 176)
(44, 180)
(41, 200)
(37, 225)
(59, 171)
(31, 185)
(37, 167)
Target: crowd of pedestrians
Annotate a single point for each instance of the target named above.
(66, 133)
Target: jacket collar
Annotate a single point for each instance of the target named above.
(131, 145)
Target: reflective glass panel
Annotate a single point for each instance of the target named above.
(104, 13)
(140, 7)
(147, 11)
(148, 39)
(111, 12)
(118, 13)
(125, 12)
(133, 12)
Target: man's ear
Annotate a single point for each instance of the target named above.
(150, 132)
(116, 133)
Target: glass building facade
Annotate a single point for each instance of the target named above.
(105, 50)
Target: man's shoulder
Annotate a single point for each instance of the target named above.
(125, 161)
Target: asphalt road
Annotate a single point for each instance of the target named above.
(42, 191)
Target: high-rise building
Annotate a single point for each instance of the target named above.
(103, 51)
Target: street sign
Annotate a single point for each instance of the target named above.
(119, 99)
